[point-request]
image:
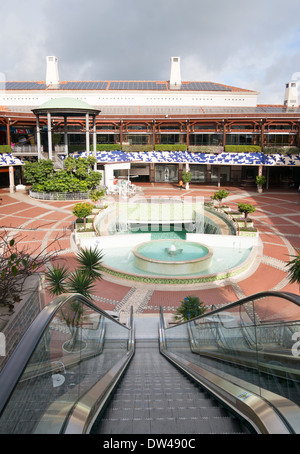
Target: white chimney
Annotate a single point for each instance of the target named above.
(52, 77)
(291, 94)
(175, 76)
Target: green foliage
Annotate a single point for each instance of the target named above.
(136, 148)
(77, 176)
(191, 307)
(220, 195)
(242, 148)
(38, 172)
(70, 164)
(294, 268)
(96, 195)
(56, 278)
(80, 282)
(107, 147)
(82, 210)
(170, 147)
(90, 260)
(260, 180)
(186, 177)
(246, 208)
(5, 149)
(61, 280)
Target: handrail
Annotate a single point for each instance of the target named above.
(15, 366)
(91, 405)
(266, 411)
(287, 295)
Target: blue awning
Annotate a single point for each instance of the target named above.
(7, 159)
(176, 157)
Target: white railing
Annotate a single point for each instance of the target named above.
(59, 195)
(25, 149)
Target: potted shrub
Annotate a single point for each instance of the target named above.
(246, 208)
(220, 195)
(260, 181)
(82, 210)
(190, 307)
(186, 178)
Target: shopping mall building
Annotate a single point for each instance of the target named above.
(151, 130)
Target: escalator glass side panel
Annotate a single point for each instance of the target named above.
(255, 341)
(79, 346)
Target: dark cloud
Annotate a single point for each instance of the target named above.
(253, 45)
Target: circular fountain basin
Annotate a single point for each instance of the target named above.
(172, 258)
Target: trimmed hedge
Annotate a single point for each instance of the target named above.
(242, 148)
(5, 149)
(136, 148)
(168, 147)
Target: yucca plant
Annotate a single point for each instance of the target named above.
(294, 268)
(80, 282)
(56, 278)
(90, 260)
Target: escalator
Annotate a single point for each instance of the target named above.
(155, 398)
(233, 370)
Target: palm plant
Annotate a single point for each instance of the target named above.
(294, 268)
(56, 278)
(90, 260)
(80, 282)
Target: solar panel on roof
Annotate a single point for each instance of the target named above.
(225, 110)
(22, 86)
(97, 85)
(204, 86)
(119, 85)
(273, 109)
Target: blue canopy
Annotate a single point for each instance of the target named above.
(175, 157)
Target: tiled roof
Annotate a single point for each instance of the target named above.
(203, 86)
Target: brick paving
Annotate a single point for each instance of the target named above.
(277, 217)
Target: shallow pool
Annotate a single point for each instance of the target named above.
(224, 259)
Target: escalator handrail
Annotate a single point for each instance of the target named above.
(19, 359)
(293, 298)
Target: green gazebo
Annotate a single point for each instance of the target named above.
(65, 107)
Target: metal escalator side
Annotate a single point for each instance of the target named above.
(65, 366)
(246, 353)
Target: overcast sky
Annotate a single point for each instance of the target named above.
(249, 44)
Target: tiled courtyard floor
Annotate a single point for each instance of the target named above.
(277, 217)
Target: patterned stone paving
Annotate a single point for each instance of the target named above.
(277, 217)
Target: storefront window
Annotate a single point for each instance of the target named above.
(169, 139)
(239, 139)
(140, 139)
(165, 173)
(206, 139)
(198, 172)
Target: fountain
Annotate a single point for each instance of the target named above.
(164, 257)
(172, 250)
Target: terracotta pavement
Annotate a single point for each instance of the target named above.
(40, 225)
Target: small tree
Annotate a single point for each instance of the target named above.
(70, 165)
(186, 178)
(191, 307)
(82, 210)
(97, 195)
(294, 268)
(220, 195)
(246, 208)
